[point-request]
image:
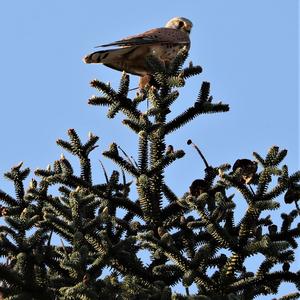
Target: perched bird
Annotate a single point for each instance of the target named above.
(130, 56)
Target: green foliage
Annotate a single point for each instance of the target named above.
(57, 244)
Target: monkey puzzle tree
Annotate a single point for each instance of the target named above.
(60, 233)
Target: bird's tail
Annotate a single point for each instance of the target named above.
(96, 57)
(104, 56)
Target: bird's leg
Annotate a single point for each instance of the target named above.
(145, 80)
(167, 65)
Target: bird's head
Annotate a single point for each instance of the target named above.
(180, 23)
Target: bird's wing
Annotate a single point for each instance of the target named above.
(153, 36)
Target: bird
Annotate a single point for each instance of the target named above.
(131, 55)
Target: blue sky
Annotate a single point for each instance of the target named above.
(248, 51)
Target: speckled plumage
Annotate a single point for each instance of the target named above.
(164, 43)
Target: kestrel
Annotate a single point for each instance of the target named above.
(130, 56)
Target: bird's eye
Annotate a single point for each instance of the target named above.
(180, 24)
